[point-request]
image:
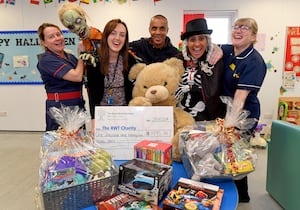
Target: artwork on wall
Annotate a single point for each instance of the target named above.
(19, 51)
(292, 52)
(289, 109)
(260, 43)
(289, 79)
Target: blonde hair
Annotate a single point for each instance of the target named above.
(249, 22)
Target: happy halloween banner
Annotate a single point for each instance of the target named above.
(19, 51)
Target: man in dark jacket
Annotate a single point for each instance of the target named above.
(156, 48)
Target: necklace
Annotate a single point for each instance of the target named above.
(110, 86)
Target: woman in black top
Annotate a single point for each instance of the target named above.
(202, 83)
(109, 86)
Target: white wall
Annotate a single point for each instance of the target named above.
(24, 104)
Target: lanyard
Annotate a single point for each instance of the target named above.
(110, 86)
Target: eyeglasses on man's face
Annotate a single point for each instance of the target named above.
(243, 28)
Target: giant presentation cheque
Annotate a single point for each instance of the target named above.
(119, 128)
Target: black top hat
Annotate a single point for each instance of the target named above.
(196, 26)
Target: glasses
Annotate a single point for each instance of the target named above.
(243, 28)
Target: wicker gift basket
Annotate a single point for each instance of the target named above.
(75, 172)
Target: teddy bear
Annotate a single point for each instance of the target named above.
(156, 85)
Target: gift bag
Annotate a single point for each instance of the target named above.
(212, 150)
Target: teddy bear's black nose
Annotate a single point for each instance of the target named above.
(153, 92)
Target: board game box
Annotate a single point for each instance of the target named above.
(125, 201)
(193, 195)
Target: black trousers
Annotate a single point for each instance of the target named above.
(242, 187)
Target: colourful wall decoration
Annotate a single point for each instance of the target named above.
(46, 2)
(292, 52)
(19, 52)
(289, 109)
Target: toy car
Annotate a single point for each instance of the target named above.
(144, 180)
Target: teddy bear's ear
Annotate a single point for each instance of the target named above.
(135, 70)
(176, 63)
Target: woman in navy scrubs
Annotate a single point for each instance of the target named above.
(244, 74)
(61, 72)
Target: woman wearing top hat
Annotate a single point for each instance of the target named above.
(202, 83)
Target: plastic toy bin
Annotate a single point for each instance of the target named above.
(81, 196)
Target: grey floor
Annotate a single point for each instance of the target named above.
(19, 156)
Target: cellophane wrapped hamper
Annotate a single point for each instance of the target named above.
(75, 172)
